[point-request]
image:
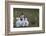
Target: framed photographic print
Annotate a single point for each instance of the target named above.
(24, 18)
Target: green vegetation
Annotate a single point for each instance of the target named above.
(31, 14)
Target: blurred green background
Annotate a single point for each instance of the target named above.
(31, 14)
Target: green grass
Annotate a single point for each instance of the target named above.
(31, 14)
